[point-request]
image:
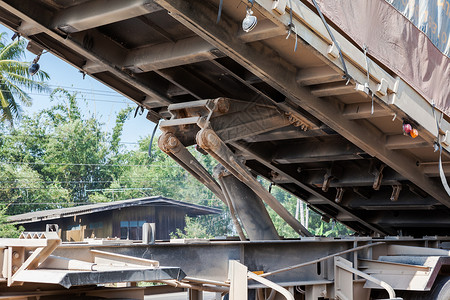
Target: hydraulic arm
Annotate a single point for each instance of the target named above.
(209, 124)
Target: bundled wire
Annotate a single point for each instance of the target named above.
(438, 146)
(291, 26)
(341, 57)
(151, 140)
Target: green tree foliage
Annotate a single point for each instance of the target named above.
(21, 184)
(56, 157)
(193, 229)
(328, 229)
(15, 80)
(8, 230)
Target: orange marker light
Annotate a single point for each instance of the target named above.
(414, 133)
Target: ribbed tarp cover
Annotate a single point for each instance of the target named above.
(400, 34)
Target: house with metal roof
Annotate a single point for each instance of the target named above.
(118, 219)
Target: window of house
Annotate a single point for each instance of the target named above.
(96, 225)
(124, 230)
(131, 230)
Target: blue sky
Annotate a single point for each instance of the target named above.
(101, 101)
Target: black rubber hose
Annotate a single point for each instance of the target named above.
(151, 141)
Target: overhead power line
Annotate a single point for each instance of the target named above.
(67, 202)
(117, 190)
(77, 93)
(68, 88)
(84, 164)
(51, 135)
(128, 180)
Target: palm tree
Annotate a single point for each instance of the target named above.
(15, 79)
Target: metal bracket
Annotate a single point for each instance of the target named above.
(219, 173)
(326, 181)
(378, 173)
(396, 189)
(170, 144)
(339, 195)
(297, 122)
(332, 173)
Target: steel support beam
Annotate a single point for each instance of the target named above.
(401, 141)
(208, 140)
(317, 75)
(286, 133)
(333, 149)
(333, 89)
(266, 63)
(407, 219)
(249, 207)
(190, 83)
(364, 110)
(352, 175)
(182, 52)
(381, 201)
(266, 29)
(432, 168)
(97, 13)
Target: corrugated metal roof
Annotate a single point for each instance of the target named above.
(51, 214)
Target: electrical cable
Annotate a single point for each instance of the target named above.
(70, 203)
(291, 26)
(49, 135)
(438, 146)
(346, 75)
(151, 140)
(83, 164)
(78, 94)
(219, 13)
(366, 85)
(14, 202)
(81, 90)
(128, 180)
(113, 93)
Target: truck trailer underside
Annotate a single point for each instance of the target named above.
(294, 100)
